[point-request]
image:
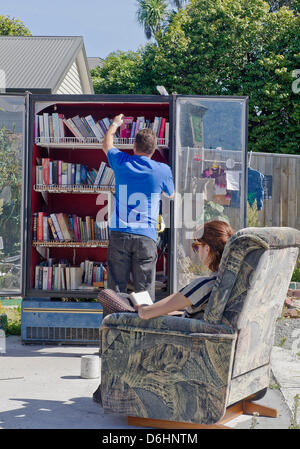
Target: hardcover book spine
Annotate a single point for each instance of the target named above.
(51, 225)
(40, 226)
(45, 165)
(57, 227)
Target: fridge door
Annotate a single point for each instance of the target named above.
(13, 144)
(209, 167)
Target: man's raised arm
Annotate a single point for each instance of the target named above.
(108, 141)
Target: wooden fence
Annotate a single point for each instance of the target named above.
(283, 208)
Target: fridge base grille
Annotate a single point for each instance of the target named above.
(68, 335)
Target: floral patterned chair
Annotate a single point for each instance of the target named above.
(178, 372)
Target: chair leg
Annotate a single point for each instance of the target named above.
(244, 407)
(249, 408)
(164, 424)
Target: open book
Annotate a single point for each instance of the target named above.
(141, 298)
(113, 302)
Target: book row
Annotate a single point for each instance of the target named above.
(55, 126)
(131, 126)
(57, 172)
(63, 227)
(62, 276)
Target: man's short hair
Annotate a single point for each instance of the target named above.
(145, 141)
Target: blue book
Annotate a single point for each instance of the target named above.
(77, 177)
(132, 132)
(50, 173)
(83, 174)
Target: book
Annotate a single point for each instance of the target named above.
(64, 173)
(46, 172)
(57, 227)
(75, 277)
(167, 129)
(99, 174)
(61, 127)
(56, 131)
(88, 127)
(55, 172)
(40, 232)
(65, 227)
(96, 129)
(45, 229)
(80, 126)
(126, 127)
(41, 127)
(46, 124)
(52, 228)
(162, 130)
(71, 127)
(141, 298)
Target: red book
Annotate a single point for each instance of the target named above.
(50, 270)
(162, 130)
(40, 226)
(46, 170)
(125, 129)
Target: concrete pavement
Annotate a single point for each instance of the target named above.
(41, 388)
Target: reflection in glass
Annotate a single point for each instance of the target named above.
(210, 156)
(12, 111)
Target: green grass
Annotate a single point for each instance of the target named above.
(13, 319)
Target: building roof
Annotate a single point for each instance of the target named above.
(40, 63)
(95, 62)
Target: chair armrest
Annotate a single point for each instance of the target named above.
(164, 324)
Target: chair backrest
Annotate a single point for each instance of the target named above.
(249, 293)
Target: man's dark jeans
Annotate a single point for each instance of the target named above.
(133, 251)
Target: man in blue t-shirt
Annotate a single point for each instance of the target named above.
(133, 225)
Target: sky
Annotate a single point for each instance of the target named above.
(106, 25)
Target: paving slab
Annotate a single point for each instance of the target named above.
(41, 388)
(286, 369)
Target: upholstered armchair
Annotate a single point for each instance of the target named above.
(198, 372)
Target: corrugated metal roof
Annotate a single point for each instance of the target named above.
(37, 62)
(95, 62)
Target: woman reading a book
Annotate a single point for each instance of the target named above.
(193, 298)
(190, 301)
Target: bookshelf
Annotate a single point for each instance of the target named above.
(61, 137)
(196, 124)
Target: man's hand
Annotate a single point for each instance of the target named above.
(108, 141)
(118, 120)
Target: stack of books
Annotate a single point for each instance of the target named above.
(62, 276)
(57, 172)
(62, 227)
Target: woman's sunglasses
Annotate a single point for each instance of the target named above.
(195, 246)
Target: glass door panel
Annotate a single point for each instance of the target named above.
(12, 156)
(210, 167)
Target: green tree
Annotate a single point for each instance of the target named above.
(10, 26)
(151, 15)
(120, 73)
(237, 47)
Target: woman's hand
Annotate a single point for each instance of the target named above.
(141, 311)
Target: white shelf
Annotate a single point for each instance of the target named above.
(55, 244)
(76, 188)
(87, 142)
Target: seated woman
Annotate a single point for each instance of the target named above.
(194, 297)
